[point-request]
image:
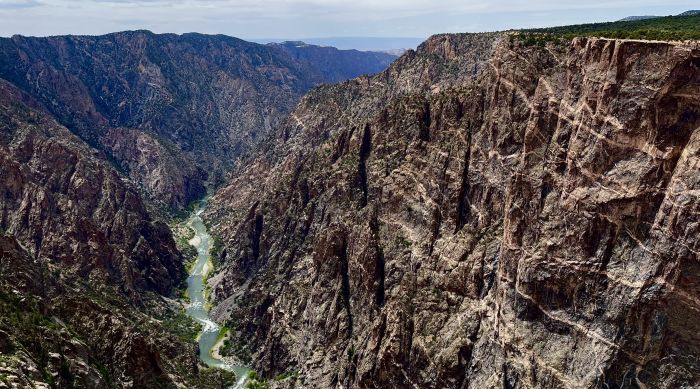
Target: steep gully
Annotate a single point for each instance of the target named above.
(195, 291)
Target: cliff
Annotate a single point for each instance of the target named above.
(65, 205)
(83, 266)
(483, 213)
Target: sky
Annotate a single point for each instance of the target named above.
(298, 19)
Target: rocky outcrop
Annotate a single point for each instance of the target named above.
(173, 112)
(482, 214)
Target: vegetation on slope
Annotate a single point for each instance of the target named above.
(668, 28)
(182, 326)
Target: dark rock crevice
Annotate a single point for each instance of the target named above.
(463, 206)
(435, 233)
(255, 237)
(345, 284)
(365, 149)
(342, 144)
(426, 120)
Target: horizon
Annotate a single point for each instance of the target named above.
(309, 20)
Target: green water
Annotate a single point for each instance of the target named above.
(195, 291)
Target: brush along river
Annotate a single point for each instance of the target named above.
(195, 291)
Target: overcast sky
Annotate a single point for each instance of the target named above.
(313, 18)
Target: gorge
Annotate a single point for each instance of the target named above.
(104, 142)
(512, 209)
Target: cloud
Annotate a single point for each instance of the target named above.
(18, 4)
(303, 18)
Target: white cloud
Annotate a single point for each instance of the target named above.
(300, 18)
(18, 4)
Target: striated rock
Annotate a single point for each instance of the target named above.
(482, 214)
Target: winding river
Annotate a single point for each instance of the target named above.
(195, 290)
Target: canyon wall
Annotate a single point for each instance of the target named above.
(484, 213)
(101, 136)
(83, 266)
(66, 206)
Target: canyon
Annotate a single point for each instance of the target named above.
(104, 142)
(512, 209)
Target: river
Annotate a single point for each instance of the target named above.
(195, 290)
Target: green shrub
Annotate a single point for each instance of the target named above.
(287, 374)
(182, 326)
(403, 242)
(256, 382)
(217, 246)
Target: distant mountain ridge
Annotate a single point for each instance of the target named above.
(641, 17)
(691, 12)
(382, 44)
(338, 64)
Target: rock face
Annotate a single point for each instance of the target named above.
(172, 111)
(78, 254)
(481, 214)
(57, 332)
(64, 205)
